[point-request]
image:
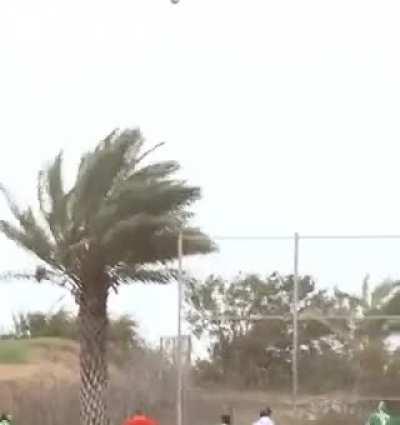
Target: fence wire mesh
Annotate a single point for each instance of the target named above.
(240, 311)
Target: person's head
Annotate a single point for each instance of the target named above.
(382, 405)
(265, 412)
(226, 419)
(139, 412)
(4, 417)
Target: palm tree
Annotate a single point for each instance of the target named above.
(118, 224)
(365, 339)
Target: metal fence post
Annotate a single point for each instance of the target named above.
(295, 323)
(179, 406)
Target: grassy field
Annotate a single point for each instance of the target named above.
(44, 359)
(23, 351)
(14, 352)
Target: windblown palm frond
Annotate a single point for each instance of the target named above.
(53, 201)
(128, 274)
(29, 234)
(99, 170)
(383, 292)
(118, 212)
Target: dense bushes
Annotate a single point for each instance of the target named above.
(345, 354)
(62, 324)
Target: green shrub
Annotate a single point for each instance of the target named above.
(13, 352)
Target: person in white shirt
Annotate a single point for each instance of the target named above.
(265, 417)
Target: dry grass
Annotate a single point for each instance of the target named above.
(38, 360)
(44, 389)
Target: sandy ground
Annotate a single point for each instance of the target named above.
(17, 372)
(46, 362)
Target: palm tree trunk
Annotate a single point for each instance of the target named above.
(93, 355)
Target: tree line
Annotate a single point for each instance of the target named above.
(347, 352)
(122, 333)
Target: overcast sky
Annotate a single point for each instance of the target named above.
(285, 112)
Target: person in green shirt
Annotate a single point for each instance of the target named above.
(387, 413)
(6, 419)
(380, 416)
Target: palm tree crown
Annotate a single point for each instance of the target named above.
(120, 218)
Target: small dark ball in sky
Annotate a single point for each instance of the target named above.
(174, 1)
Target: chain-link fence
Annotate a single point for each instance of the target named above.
(306, 324)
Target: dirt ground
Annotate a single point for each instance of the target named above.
(58, 364)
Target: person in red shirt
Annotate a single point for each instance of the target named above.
(139, 418)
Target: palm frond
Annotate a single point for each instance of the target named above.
(162, 247)
(30, 235)
(100, 169)
(16, 235)
(139, 196)
(52, 198)
(32, 238)
(195, 242)
(41, 274)
(38, 236)
(121, 216)
(382, 292)
(12, 205)
(55, 183)
(148, 152)
(12, 275)
(391, 305)
(125, 273)
(130, 235)
(158, 170)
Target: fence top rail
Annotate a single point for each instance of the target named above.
(344, 237)
(302, 317)
(288, 238)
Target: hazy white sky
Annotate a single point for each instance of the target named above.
(285, 112)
